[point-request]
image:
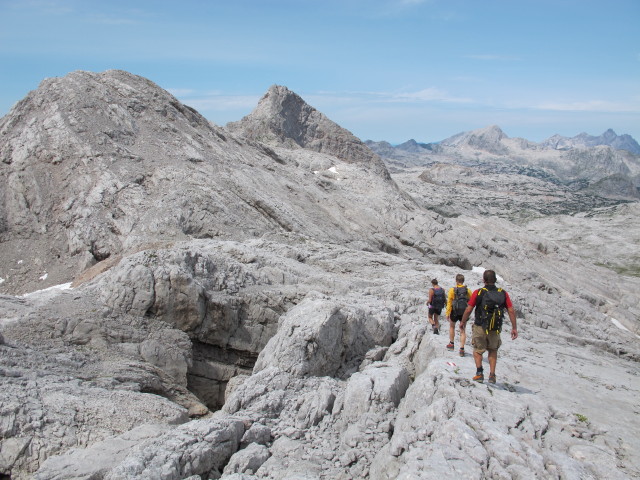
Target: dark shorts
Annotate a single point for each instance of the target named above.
(433, 310)
(483, 341)
(455, 318)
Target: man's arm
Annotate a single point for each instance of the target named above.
(465, 316)
(467, 312)
(514, 326)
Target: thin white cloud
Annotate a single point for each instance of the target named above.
(181, 92)
(46, 7)
(218, 101)
(392, 8)
(589, 106)
(494, 57)
(105, 19)
(221, 103)
(66, 8)
(426, 95)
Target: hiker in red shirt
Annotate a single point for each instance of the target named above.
(489, 302)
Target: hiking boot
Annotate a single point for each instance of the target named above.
(450, 346)
(436, 332)
(479, 377)
(462, 352)
(492, 378)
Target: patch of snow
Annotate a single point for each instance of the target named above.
(333, 170)
(44, 277)
(20, 262)
(64, 286)
(621, 326)
(1, 280)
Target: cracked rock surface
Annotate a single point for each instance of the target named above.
(249, 303)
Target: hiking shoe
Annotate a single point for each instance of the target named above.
(479, 377)
(450, 346)
(462, 352)
(436, 332)
(492, 378)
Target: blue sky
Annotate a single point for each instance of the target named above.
(384, 69)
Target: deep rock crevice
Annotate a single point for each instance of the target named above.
(211, 369)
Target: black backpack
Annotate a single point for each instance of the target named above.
(460, 301)
(437, 301)
(490, 309)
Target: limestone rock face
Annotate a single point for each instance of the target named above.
(208, 304)
(91, 165)
(282, 118)
(321, 338)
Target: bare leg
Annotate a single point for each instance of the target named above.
(463, 336)
(452, 331)
(493, 359)
(478, 359)
(435, 318)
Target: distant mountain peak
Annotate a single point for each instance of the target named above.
(283, 118)
(281, 102)
(487, 138)
(608, 138)
(493, 130)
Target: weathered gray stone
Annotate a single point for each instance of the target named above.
(318, 338)
(283, 287)
(195, 448)
(98, 459)
(257, 433)
(247, 460)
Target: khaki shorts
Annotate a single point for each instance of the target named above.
(482, 341)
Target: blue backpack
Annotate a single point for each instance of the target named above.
(438, 300)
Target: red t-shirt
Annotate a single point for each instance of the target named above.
(474, 298)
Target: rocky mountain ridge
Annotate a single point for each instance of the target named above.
(602, 170)
(609, 138)
(87, 162)
(249, 302)
(557, 142)
(283, 119)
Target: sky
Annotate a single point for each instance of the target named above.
(389, 70)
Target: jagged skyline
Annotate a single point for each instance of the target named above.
(385, 69)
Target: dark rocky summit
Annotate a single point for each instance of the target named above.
(181, 300)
